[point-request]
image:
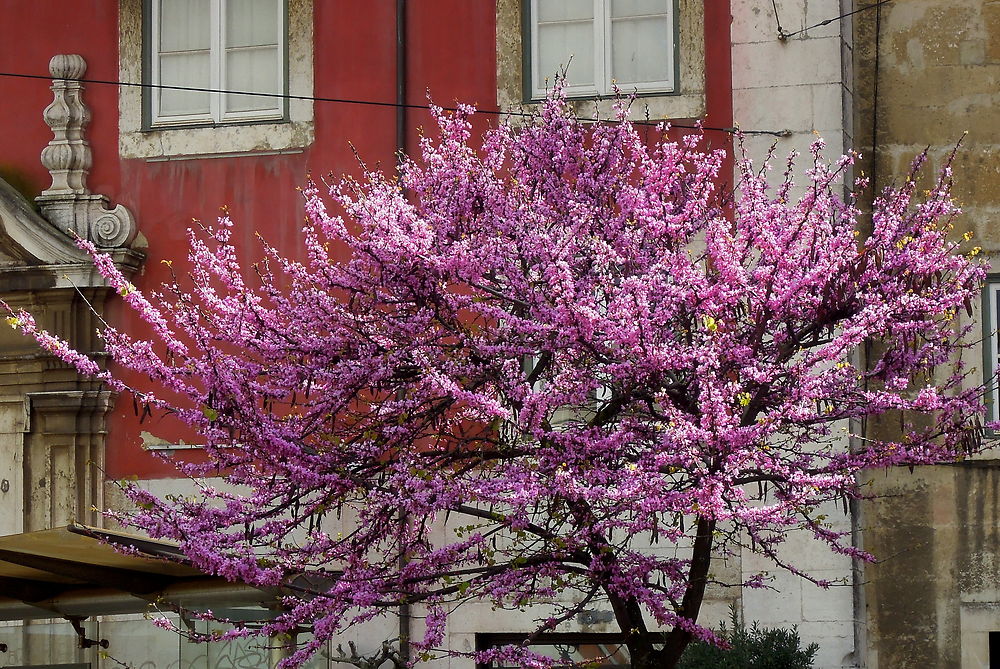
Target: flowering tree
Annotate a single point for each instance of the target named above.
(557, 345)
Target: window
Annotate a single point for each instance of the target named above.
(655, 48)
(265, 46)
(600, 651)
(991, 345)
(234, 45)
(602, 42)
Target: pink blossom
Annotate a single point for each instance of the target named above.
(550, 345)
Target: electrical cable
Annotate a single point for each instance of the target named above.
(782, 35)
(376, 103)
(781, 31)
(874, 151)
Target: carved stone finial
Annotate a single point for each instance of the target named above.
(67, 157)
(67, 66)
(67, 203)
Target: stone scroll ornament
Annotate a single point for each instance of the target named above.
(68, 203)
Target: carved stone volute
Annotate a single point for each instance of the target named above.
(67, 203)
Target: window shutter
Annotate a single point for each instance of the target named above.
(184, 54)
(253, 58)
(641, 44)
(562, 30)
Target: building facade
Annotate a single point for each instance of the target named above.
(925, 75)
(161, 111)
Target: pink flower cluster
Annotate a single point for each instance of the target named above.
(518, 363)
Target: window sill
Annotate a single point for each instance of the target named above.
(654, 106)
(215, 141)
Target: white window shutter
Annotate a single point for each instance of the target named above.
(252, 22)
(255, 70)
(563, 37)
(641, 38)
(184, 55)
(253, 53)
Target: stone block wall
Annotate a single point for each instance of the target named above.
(792, 79)
(926, 73)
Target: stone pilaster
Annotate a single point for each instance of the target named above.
(64, 457)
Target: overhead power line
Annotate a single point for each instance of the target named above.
(782, 35)
(377, 103)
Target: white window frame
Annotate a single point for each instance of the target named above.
(217, 113)
(603, 84)
(991, 345)
(291, 134)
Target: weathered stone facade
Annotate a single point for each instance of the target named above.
(926, 72)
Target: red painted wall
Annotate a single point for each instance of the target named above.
(451, 52)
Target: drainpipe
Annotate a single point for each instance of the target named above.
(400, 78)
(405, 615)
(859, 599)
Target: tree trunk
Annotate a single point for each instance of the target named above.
(643, 655)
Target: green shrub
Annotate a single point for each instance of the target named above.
(750, 648)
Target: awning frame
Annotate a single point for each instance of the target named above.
(75, 573)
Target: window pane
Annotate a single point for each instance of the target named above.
(254, 70)
(639, 7)
(190, 68)
(598, 655)
(640, 50)
(557, 42)
(252, 22)
(185, 25)
(564, 10)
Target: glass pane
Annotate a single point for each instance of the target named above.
(996, 314)
(41, 643)
(640, 50)
(563, 10)
(185, 25)
(137, 643)
(993, 321)
(184, 69)
(252, 22)
(246, 653)
(598, 655)
(557, 42)
(995, 324)
(639, 7)
(256, 70)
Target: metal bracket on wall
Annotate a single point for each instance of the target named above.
(85, 642)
